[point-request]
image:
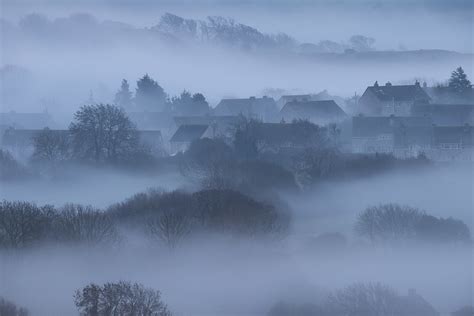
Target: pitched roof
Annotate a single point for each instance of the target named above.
(315, 109)
(188, 133)
(399, 93)
(206, 120)
(248, 106)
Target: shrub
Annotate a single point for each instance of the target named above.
(122, 298)
(392, 222)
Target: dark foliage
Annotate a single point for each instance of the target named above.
(149, 95)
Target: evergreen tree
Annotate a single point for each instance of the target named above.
(458, 81)
(149, 95)
(123, 97)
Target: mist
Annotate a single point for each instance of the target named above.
(236, 157)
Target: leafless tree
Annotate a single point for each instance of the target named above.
(23, 223)
(117, 299)
(171, 227)
(103, 132)
(84, 224)
(388, 222)
(51, 146)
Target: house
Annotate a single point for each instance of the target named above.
(221, 126)
(318, 112)
(391, 100)
(26, 120)
(153, 121)
(275, 137)
(446, 114)
(264, 109)
(186, 134)
(284, 99)
(152, 140)
(402, 136)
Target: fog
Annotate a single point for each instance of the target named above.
(66, 62)
(222, 275)
(265, 210)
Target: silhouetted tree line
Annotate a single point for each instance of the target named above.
(167, 217)
(360, 299)
(396, 223)
(171, 217)
(151, 97)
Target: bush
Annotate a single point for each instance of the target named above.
(122, 298)
(23, 223)
(392, 222)
(8, 308)
(170, 217)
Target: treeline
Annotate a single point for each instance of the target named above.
(165, 217)
(170, 218)
(150, 96)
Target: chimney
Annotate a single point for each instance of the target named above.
(376, 84)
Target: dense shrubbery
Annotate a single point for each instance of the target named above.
(367, 299)
(8, 308)
(172, 216)
(392, 222)
(122, 298)
(212, 164)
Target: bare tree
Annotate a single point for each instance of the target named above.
(388, 222)
(103, 132)
(171, 227)
(23, 223)
(51, 146)
(83, 224)
(122, 298)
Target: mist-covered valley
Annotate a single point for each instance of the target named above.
(277, 158)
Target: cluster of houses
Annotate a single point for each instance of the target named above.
(404, 120)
